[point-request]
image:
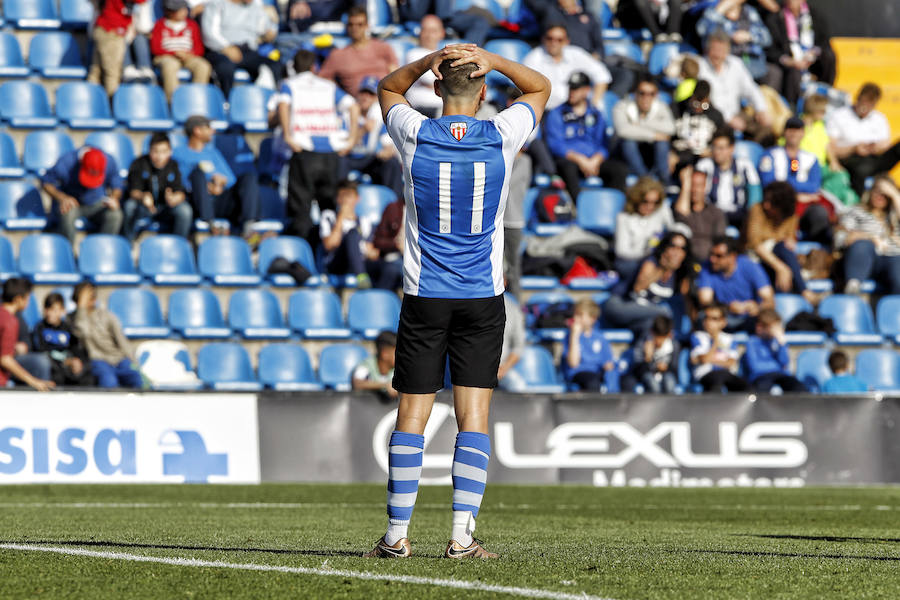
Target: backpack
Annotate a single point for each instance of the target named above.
(550, 315)
(554, 206)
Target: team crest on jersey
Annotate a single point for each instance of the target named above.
(458, 130)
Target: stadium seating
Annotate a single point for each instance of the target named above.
(597, 209)
(748, 149)
(21, 206)
(316, 314)
(106, 259)
(31, 14)
(139, 313)
(32, 312)
(7, 259)
(336, 364)
(272, 210)
(266, 163)
(536, 369)
(47, 258)
(879, 368)
(887, 314)
(373, 199)
(624, 48)
(226, 366)
(11, 62)
(225, 260)
(234, 148)
(195, 313)
(76, 14)
(10, 166)
(511, 49)
(286, 367)
(116, 144)
(852, 318)
(82, 105)
(24, 105)
(167, 365)
(812, 368)
(787, 306)
(255, 314)
(291, 249)
(247, 107)
(168, 260)
(43, 149)
(369, 312)
(400, 46)
(538, 303)
(661, 54)
(199, 99)
(56, 55)
(142, 107)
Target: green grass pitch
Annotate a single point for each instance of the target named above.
(555, 542)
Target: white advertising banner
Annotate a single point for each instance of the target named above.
(128, 438)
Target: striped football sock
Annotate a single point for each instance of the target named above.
(470, 461)
(405, 468)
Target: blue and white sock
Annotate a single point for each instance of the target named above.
(470, 461)
(405, 469)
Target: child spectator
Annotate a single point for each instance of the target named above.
(714, 354)
(175, 43)
(842, 381)
(587, 356)
(53, 335)
(766, 358)
(376, 372)
(690, 69)
(345, 237)
(656, 358)
(816, 140)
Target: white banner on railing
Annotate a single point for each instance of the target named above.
(128, 438)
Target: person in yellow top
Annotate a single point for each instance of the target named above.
(817, 141)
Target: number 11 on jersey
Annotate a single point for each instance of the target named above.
(478, 181)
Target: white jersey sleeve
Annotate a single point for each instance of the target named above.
(515, 124)
(403, 121)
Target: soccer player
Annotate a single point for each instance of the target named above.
(456, 171)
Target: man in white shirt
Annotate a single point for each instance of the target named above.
(862, 137)
(731, 82)
(645, 125)
(421, 95)
(556, 59)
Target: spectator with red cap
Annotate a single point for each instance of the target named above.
(176, 42)
(85, 183)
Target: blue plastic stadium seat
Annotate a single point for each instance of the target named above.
(32, 312)
(267, 164)
(291, 249)
(316, 314)
(852, 318)
(336, 364)
(21, 206)
(256, 314)
(400, 46)
(195, 313)
(537, 282)
(286, 367)
(369, 312)
(56, 55)
(597, 209)
(199, 99)
(7, 259)
(887, 314)
(272, 210)
(537, 370)
(506, 10)
(142, 107)
(106, 260)
(602, 282)
(879, 368)
(624, 48)
(236, 151)
(537, 303)
(76, 14)
(31, 14)
(168, 260)
(11, 63)
(47, 258)
(82, 105)
(661, 54)
(24, 105)
(247, 107)
(225, 260)
(748, 149)
(373, 199)
(116, 144)
(226, 366)
(511, 49)
(787, 306)
(43, 149)
(139, 312)
(10, 166)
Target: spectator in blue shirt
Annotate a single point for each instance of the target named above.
(575, 133)
(214, 190)
(766, 358)
(588, 360)
(843, 381)
(85, 183)
(737, 282)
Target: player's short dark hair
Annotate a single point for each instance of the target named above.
(662, 325)
(304, 61)
(838, 361)
(456, 81)
(724, 132)
(731, 244)
(15, 287)
(53, 299)
(160, 137)
(782, 197)
(385, 339)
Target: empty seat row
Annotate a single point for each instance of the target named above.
(82, 105)
(44, 14)
(879, 368)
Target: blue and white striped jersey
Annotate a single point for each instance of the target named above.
(456, 172)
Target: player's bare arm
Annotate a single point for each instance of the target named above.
(391, 89)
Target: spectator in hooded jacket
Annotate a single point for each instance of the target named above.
(176, 43)
(69, 363)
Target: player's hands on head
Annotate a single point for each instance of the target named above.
(470, 53)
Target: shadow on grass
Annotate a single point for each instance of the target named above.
(822, 538)
(135, 545)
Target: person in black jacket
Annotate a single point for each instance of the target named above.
(53, 335)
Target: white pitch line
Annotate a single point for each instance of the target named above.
(363, 575)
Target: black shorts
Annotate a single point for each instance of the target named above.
(468, 331)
